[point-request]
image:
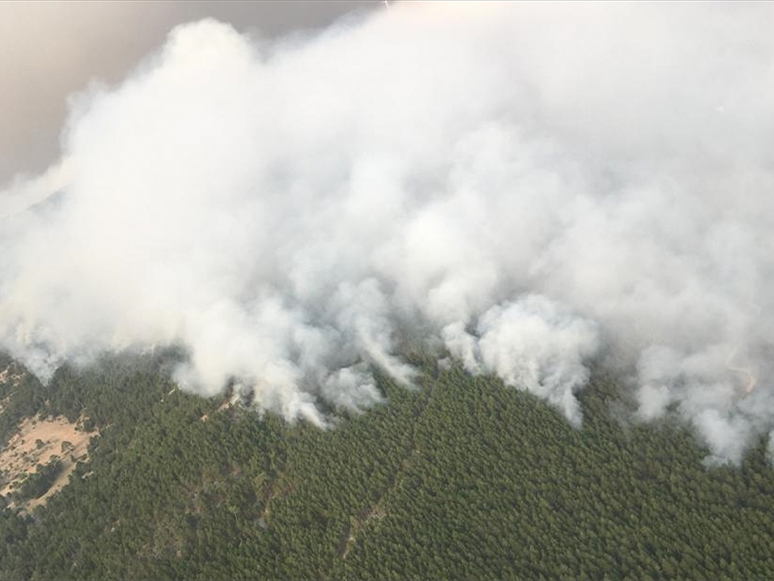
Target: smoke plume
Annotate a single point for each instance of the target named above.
(523, 187)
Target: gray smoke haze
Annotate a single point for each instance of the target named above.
(51, 49)
(528, 187)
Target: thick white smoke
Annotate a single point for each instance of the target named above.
(517, 183)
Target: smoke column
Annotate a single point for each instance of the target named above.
(524, 187)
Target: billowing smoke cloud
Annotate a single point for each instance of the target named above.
(522, 187)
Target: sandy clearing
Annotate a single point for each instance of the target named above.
(4, 403)
(39, 441)
(7, 375)
(746, 371)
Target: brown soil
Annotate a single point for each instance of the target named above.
(746, 371)
(39, 441)
(8, 375)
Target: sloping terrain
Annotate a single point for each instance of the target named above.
(40, 441)
(463, 478)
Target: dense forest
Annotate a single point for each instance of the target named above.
(460, 478)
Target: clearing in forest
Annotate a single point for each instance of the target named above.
(41, 441)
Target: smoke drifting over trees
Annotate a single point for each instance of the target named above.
(521, 187)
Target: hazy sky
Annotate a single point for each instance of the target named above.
(48, 50)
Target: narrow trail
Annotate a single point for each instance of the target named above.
(746, 371)
(352, 529)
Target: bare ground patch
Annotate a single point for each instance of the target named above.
(11, 375)
(41, 441)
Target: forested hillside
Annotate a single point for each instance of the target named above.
(462, 478)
